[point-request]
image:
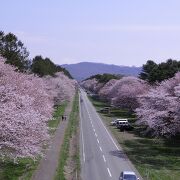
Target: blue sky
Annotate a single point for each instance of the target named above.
(122, 32)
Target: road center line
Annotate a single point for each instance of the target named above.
(94, 130)
(100, 148)
(109, 172)
(98, 141)
(95, 134)
(104, 158)
(102, 123)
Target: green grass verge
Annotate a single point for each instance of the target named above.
(54, 122)
(26, 166)
(24, 169)
(155, 159)
(70, 130)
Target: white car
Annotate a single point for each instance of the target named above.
(128, 175)
(115, 122)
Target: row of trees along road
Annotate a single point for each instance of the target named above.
(27, 100)
(156, 105)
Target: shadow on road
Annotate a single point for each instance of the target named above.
(119, 154)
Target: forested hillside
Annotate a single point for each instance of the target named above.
(83, 70)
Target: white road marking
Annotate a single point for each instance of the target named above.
(89, 115)
(82, 131)
(98, 141)
(104, 158)
(100, 148)
(109, 134)
(102, 124)
(109, 172)
(95, 134)
(94, 130)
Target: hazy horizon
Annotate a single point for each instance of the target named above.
(113, 32)
(98, 63)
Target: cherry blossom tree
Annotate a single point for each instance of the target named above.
(60, 88)
(160, 108)
(124, 92)
(25, 108)
(104, 91)
(91, 84)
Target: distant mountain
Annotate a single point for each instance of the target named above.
(83, 70)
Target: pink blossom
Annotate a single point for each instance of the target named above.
(104, 91)
(160, 107)
(124, 92)
(60, 87)
(92, 85)
(25, 107)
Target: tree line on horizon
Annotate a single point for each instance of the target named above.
(16, 54)
(104, 78)
(155, 73)
(151, 72)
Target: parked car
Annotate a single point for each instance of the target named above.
(114, 122)
(124, 125)
(104, 110)
(128, 175)
(120, 122)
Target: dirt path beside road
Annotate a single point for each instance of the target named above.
(48, 165)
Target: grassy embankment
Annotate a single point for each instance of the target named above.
(155, 159)
(65, 155)
(26, 166)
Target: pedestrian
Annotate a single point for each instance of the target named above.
(62, 117)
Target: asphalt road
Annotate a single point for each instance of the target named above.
(101, 157)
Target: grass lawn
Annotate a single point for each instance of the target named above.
(11, 171)
(155, 159)
(26, 166)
